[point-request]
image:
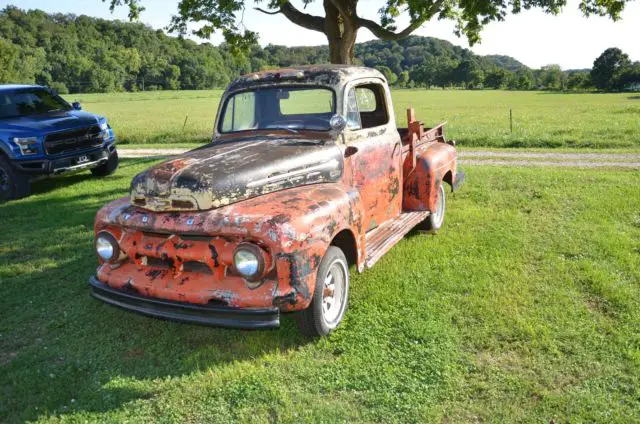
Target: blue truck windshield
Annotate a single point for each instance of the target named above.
(30, 102)
(293, 108)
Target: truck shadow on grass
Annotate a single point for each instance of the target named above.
(63, 352)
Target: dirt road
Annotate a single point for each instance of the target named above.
(484, 157)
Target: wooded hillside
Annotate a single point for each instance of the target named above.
(84, 54)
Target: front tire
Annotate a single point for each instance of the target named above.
(330, 297)
(13, 183)
(435, 220)
(107, 168)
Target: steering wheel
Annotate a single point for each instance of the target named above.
(286, 124)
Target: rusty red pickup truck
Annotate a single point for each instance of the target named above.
(306, 176)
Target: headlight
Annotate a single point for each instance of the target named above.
(249, 261)
(27, 145)
(104, 128)
(107, 247)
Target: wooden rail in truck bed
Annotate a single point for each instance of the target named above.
(415, 134)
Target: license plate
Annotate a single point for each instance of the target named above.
(83, 159)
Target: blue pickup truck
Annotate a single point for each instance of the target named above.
(43, 135)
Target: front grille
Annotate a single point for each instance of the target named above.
(189, 266)
(74, 140)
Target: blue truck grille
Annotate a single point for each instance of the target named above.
(74, 140)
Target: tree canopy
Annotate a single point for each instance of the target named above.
(341, 20)
(83, 54)
(608, 69)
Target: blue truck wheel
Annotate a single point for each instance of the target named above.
(13, 183)
(108, 167)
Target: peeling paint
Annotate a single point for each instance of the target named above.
(186, 216)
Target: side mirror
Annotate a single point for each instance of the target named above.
(76, 105)
(337, 123)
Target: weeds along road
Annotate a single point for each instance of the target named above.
(482, 157)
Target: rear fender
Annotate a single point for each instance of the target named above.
(435, 163)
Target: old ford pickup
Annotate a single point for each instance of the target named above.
(306, 176)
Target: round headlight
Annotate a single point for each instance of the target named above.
(248, 261)
(107, 247)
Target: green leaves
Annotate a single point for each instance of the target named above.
(471, 16)
(608, 69)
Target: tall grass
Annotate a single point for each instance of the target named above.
(475, 118)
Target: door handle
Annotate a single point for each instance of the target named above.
(350, 151)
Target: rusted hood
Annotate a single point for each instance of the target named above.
(223, 173)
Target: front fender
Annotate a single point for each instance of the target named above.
(435, 163)
(299, 225)
(5, 149)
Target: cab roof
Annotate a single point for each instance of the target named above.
(328, 75)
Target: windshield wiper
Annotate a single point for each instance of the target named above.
(291, 130)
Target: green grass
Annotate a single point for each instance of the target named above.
(476, 118)
(525, 308)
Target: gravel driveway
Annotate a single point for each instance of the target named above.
(484, 157)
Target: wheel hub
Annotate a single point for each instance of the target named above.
(439, 215)
(333, 293)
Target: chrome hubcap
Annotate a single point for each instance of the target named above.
(334, 291)
(439, 215)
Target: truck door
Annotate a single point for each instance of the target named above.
(373, 151)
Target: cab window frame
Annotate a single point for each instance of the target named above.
(368, 119)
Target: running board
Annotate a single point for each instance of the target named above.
(380, 240)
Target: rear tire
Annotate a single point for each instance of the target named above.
(330, 297)
(435, 220)
(107, 168)
(13, 183)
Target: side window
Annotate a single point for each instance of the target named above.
(240, 112)
(366, 107)
(353, 115)
(366, 99)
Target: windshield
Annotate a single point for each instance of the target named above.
(291, 108)
(29, 102)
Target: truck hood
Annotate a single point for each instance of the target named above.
(227, 172)
(33, 125)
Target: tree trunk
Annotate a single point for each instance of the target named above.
(341, 34)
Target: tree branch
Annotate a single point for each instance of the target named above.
(275, 12)
(385, 34)
(314, 23)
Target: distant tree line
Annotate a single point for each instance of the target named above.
(83, 54)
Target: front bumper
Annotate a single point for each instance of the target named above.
(71, 163)
(220, 316)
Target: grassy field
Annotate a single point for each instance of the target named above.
(525, 308)
(476, 118)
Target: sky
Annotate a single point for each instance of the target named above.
(532, 37)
